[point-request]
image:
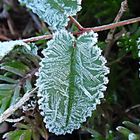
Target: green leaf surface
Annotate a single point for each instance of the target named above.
(71, 81)
(54, 12)
(124, 131)
(28, 85)
(16, 94)
(5, 93)
(5, 102)
(7, 79)
(133, 136)
(15, 67)
(26, 135)
(18, 135)
(7, 86)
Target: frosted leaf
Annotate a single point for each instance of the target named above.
(138, 43)
(6, 47)
(132, 136)
(71, 82)
(54, 12)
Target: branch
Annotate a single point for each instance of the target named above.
(79, 26)
(109, 40)
(28, 75)
(15, 120)
(33, 39)
(124, 6)
(95, 29)
(133, 107)
(16, 106)
(112, 25)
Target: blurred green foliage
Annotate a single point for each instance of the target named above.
(98, 12)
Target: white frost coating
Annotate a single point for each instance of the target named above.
(72, 79)
(54, 12)
(6, 47)
(132, 136)
(138, 43)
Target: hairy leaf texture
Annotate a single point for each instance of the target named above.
(6, 47)
(54, 12)
(71, 80)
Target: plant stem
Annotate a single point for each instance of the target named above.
(112, 25)
(28, 75)
(95, 29)
(109, 39)
(7, 113)
(79, 26)
(33, 39)
(133, 107)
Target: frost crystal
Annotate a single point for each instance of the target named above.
(54, 12)
(6, 47)
(138, 43)
(30, 105)
(71, 82)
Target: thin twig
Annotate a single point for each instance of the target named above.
(124, 7)
(16, 106)
(133, 107)
(15, 120)
(110, 35)
(28, 75)
(79, 26)
(112, 25)
(2, 37)
(95, 29)
(33, 39)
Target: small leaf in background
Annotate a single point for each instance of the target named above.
(18, 135)
(54, 12)
(16, 94)
(28, 85)
(130, 131)
(33, 49)
(129, 43)
(15, 67)
(71, 81)
(124, 131)
(7, 79)
(132, 136)
(5, 102)
(4, 93)
(6, 47)
(26, 135)
(132, 126)
(7, 86)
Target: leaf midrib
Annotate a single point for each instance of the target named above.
(71, 90)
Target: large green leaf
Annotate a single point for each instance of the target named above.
(71, 80)
(54, 12)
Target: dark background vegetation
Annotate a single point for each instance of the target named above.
(123, 90)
